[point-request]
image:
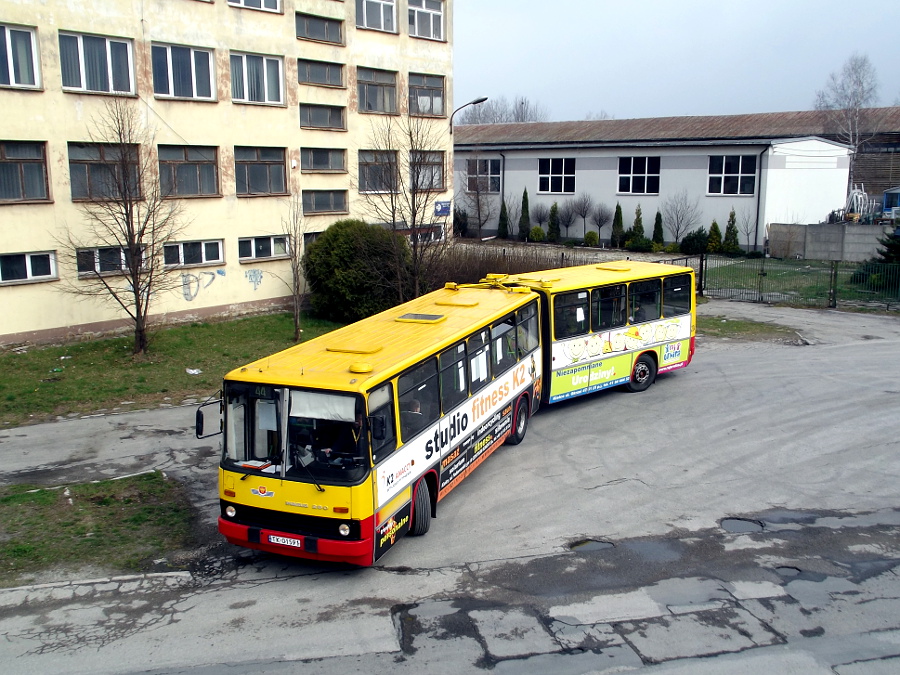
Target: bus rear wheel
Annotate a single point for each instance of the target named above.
(421, 515)
(520, 422)
(643, 375)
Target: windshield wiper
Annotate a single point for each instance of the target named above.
(308, 449)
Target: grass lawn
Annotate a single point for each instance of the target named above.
(41, 383)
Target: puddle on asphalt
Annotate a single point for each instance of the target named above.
(589, 545)
(787, 571)
(741, 525)
(653, 551)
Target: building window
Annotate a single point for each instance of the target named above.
(263, 247)
(18, 57)
(322, 159)
(732, 174)
(426, 170)
(92, 63)
(259, 171)
(426, 94)
(483, 175)
(110, 259)
(182, 72)
(321, 116)
(375, 14)
(255, 79)
(377, 171)
(104, 171)
(324, 201)
(377, 90)
(320, 72)
(267, 5)
(27, 266)
(319, 28)
(187, 170)
(556, 175)
(426, 19)
(193, 253)
(639, 175)
(23, 171)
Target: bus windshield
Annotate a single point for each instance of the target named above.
(322, 439)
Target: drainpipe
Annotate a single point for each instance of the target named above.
(502, 177)
(758, 198)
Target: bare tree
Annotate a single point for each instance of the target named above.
(514, 212)
(845, 98)
(602, 115)
(401, 177)
(478, 200)
(540, 213)
(583, 206)
(119, 252)
(567, 215)
(500, 110)
(680, 213)
(295, 228)
(747, 225)
(601, 216)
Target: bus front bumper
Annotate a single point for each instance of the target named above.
(297, 545)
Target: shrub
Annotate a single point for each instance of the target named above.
(569, 243)
(503, 225)
(714, 238)
(536, 234)
(754, 254)
(657, 247)
(591, 239)
(695, 242)
(618, 229)
(673, 248)
(553, 224)
(639, 244)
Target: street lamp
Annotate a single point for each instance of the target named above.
(480, 99)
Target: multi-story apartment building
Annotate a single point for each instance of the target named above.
(246, 105)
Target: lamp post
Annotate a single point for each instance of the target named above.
(480, 99)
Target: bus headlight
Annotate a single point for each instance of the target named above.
(344, 529)
(230, 511)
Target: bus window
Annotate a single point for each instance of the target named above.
(454, 383)
(419, 398)
(570, 314)
(677, 295)
(381, 404)
(643, 297)
(527, 336)
(479, 348)
(503, 339)
(251, 431)
(608, 307)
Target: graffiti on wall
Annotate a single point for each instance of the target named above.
(255, 277)
(192, 284)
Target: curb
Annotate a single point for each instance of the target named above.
(92, 588)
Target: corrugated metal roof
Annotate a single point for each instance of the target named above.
(668, 129)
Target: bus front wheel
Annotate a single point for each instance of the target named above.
(520, 422)
(421, 515)
(643, 375)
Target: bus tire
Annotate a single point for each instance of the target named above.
(520, 422)
(421, 515)
(643, 375)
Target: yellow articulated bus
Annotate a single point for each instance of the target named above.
(336, 447)
(612, 323)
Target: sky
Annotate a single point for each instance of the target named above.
(657, 58)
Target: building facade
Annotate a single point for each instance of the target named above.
(716, 164)
(247, 106)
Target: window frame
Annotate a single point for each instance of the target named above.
(566, 308)
(739, 176)
(30, 277)
(304, 64)
(486, 178)
(417, 169)
(12, 61)
(22, 162)
(367, 22)
(82, 87)
(425, 90)
(96, 258)
(639, 173)
(214, 162)
(170, 72)
(243, 4)
(104, 149)
(371, 165)
(244, 81)
(376, 96)
(308, 200)
(328, 21)
(417, 11)
(311, 107)
(259, 161)
(308, 164)
(551, 169)
(272, 240)
(206, 260)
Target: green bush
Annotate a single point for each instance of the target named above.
(754, 254)
(536, 234)
(673, 248)
(591, 239)
(694, 243)
(355, 270)
(658, 247)
(639, 244)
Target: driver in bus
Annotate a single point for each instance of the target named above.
(341, 441)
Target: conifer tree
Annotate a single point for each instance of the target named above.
(637, 229)
(618, 229)
(730, 244)
(658, 236)
(503, 225)
(553, 224)
(524, 218)
(714, 243)
(890, 253)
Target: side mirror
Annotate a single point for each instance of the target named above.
(199, 424)
(378, 427)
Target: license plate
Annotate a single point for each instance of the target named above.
(286, 541)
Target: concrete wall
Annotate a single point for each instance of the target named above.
(849, 242)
